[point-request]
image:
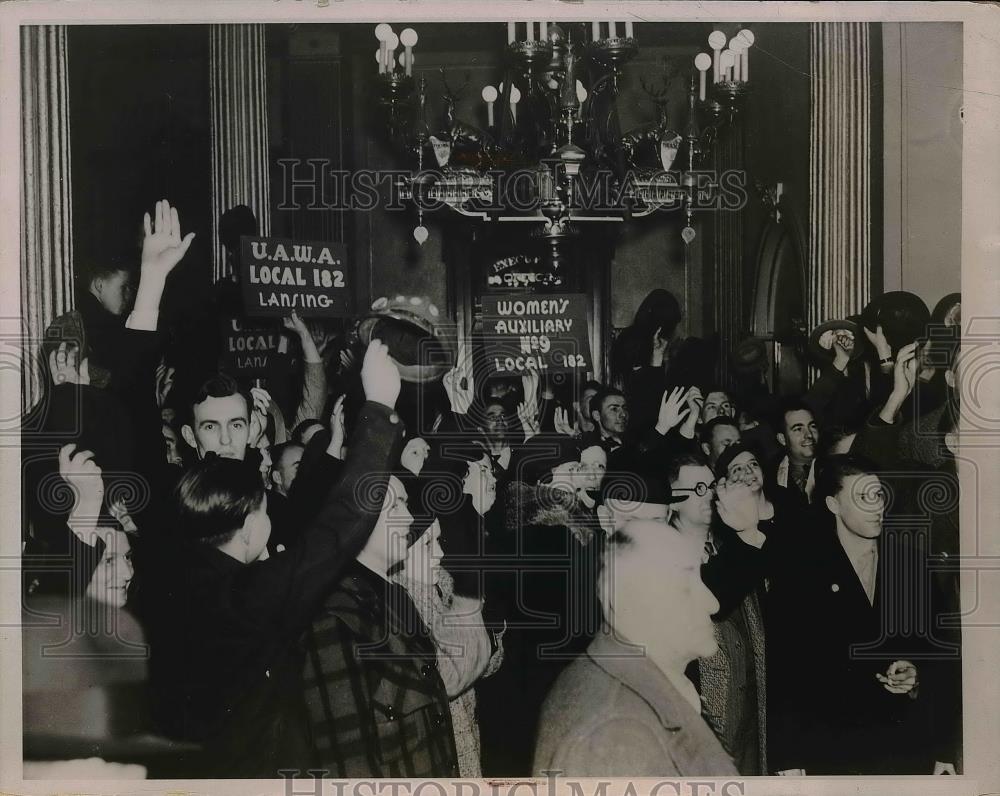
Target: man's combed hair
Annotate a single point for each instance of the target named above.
(597, 402)
(214, 498)
(690, 459)
(219, 385)
(106, 267)
(709, 428)
(792, 403)
(831, 472)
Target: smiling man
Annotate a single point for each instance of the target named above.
(798, 435)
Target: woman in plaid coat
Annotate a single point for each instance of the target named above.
(377, 704)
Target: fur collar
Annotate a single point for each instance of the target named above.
(544, 505)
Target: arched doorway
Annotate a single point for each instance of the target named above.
(780, 303)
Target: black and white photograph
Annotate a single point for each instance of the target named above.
(510, 395)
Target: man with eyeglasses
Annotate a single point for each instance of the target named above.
(731, 681)
(846, 696)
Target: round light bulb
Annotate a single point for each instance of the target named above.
(727, 59)
(515, 95)
(746, 36)
(716, 39)
(378, 56)
(581, 92)
(393, 41)
(420, 234)
(402, 59)
(382, 31)
(736, 44)
(703, 62)
(490, 94)
(408, 37)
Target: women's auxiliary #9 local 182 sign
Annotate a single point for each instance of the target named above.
(545, 332)
(280, 275)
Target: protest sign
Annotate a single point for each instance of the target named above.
(254, 350)
(544, 332)
(280, 275)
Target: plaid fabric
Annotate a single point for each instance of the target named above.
(377, 705)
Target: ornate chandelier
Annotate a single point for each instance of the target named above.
(552, 153)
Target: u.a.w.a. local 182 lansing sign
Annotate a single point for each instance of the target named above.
(546, 332)
(280, 275)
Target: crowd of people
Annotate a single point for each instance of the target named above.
(357, 575)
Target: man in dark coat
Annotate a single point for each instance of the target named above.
(848, 695)
(225, 621)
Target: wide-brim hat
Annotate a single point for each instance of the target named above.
(749, 356)
(948, 311)
(903, 317)
(638, 488)
(820, 344)
(420, 340)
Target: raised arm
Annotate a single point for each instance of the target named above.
(352, 505)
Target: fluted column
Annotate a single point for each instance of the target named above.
(46, 217)
(840, 246)
(238, 98)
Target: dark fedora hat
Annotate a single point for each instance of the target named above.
(903, 317)
(419, 339)
(749, 356)
(821, 339)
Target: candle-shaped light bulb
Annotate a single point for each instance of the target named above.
(409, 40)
(531, 30)
(543, 31)
(612, 30)
(382, 31)
(736, 47)
(515, 97)
(597, 31)
(747, 38)
(629, 30)
(511, 32)
(726, 61)
(490, 95)
(581, 92)
(702, 62)
(716, 40)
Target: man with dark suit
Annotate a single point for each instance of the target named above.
(845, 691)
(225, 621)
(625, 707)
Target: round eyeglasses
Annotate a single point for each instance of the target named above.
(700, 489)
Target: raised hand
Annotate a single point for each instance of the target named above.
(379, 375)
(529, 381)
(737, 505)
(672, 409)
(694, 401)
(843, 347)
(904, 373)
(163, 246)
(81, 472)
(528, 416)
(877, 338)
(64, 367)
(164, 383)
(338, 431)
(294, 323)
(458, 382)
(562, 422)
(659, 348)
(258, 416)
